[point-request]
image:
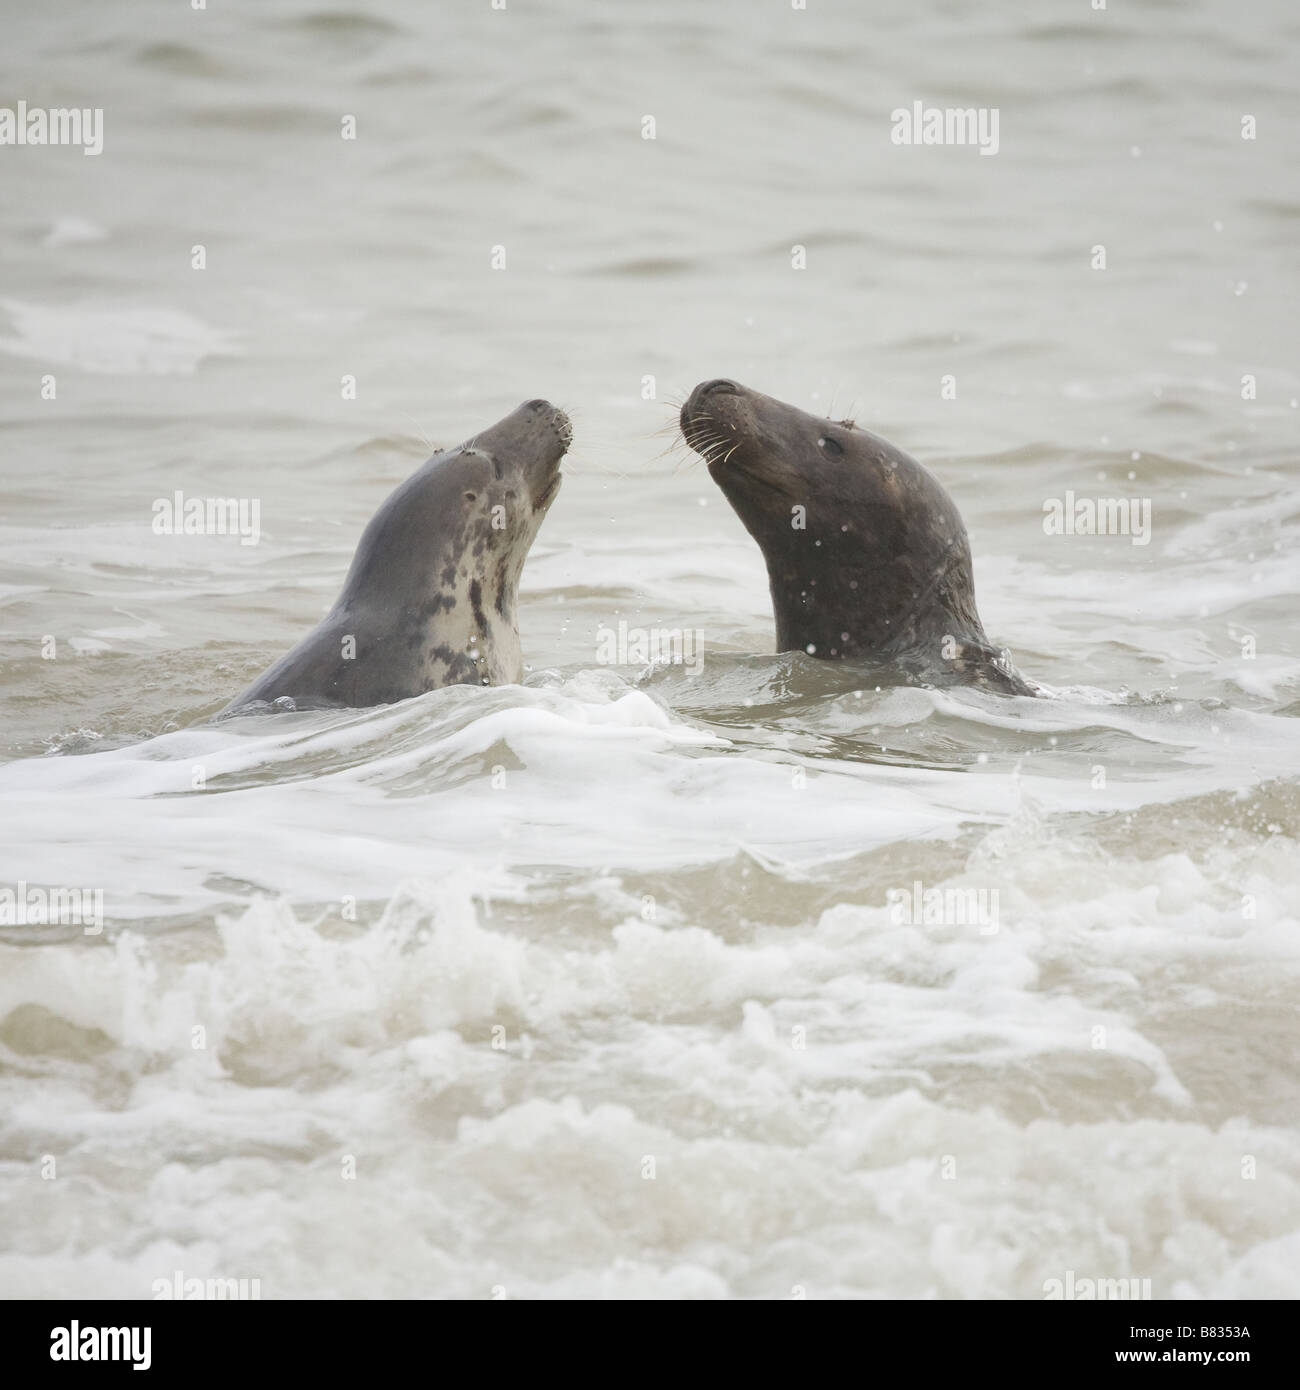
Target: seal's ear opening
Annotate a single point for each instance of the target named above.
(471, 496)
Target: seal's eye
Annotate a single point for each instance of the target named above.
(471, 496)
(831, 446)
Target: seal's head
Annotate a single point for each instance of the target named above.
(463, 523)
(523, 452)
(866, 553)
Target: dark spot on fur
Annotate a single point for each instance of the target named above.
(476, 602)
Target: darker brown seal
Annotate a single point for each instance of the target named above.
(866, 553)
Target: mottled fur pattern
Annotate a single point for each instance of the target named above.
(431, 594)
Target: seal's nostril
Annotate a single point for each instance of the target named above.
(720, 385)
(537, 405)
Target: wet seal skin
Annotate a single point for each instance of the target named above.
(431, 595)
(866, 553)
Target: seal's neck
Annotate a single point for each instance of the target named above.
(858, 613)
(477, 636)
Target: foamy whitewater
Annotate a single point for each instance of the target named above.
(646, 980)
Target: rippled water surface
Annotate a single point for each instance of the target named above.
(596, 984)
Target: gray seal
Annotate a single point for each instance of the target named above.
(866, 553)
(430, 598)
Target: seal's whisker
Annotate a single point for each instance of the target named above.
(419, 429)
(689, 461)
(673, 426)
(691, 443)
(699, 427)
(715, 436)
(706, 448)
